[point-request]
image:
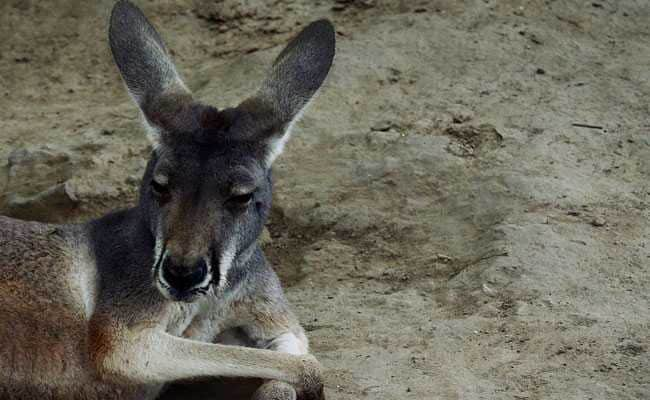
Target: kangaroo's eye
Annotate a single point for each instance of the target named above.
(160, 189)
(240, 200)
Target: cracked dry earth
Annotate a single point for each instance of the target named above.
(442, 226)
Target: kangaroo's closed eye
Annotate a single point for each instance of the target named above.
(240, 200)
(160, 189)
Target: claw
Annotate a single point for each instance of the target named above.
(275, 390)
(315, 394)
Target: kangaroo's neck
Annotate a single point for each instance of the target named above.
(123, 245)
(122, 229)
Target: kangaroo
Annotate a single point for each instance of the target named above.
(176, 287)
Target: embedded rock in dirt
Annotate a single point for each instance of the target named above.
(37, 185)
(54, 204)
(30, 170)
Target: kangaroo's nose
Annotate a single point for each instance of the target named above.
(182, 277)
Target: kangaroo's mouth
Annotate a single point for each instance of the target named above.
(186, 296)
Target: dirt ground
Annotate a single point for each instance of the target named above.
(443, 225)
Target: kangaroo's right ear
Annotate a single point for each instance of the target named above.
(295, 77)
(147, 69)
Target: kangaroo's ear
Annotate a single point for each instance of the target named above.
(147, 69)
(292, 81)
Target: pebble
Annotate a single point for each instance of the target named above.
(382, 126)
(598, 221)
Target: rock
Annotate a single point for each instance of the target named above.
(460, 114)
(133, 180)
(382, 126)
(598, 222)
(38, 185)
(32, 170)
(52, 205)
(443, 258)
(265, 238)
(488, 290)
(382, 138)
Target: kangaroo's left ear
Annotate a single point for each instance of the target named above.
(148, 71)
(296, 75)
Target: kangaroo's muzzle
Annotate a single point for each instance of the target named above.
(184, 282)
(182, 277)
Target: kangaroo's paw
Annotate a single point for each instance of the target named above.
(314, 393)
(275, 390)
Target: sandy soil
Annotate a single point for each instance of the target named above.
(443, 227)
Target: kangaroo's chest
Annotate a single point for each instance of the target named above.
(202, 320)
(179, 316)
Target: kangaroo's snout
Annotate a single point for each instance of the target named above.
(184, 282)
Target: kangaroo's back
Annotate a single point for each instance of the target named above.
(48, 292)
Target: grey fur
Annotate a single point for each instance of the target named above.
(141, 56)
(117, 307)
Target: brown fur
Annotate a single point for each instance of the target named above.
(44, 342)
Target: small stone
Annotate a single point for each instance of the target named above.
(540, 71)
(461, 115)
(382, 126)
(265, 238)
(598, 221)
(132, 180)
(488, 290)
(535, 39)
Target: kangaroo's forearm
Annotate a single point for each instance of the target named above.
(157, 357)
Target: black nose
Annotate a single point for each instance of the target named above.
(183, 278)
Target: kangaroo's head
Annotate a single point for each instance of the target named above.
(206, 192)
